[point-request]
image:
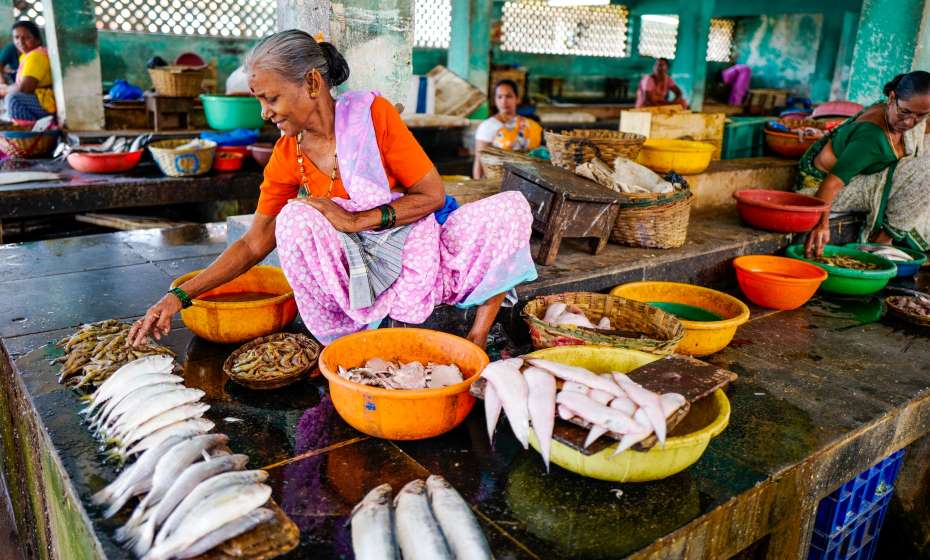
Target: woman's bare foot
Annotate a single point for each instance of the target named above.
(484, 320)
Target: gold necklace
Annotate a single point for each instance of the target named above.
(888, 134)
(304, 191)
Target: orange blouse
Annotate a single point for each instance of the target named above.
(404, 161)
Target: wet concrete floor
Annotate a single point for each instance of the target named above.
(816, 391)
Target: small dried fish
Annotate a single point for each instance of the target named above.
(843, 261)
(97, 350)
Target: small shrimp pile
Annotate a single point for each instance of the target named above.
(275, 358)
(393, 375)
(842, 261)
(97, 350)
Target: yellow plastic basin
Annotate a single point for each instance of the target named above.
(230, 322)
(684, 446)
(685, 157)
(701, 337)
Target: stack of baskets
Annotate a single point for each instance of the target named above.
(24, 143)
(177, 81)
(188, 162)
(656, 221)
(572, 148)
(493, 160)
(660, 332)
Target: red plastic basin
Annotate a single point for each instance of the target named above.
(787, 143)
(777, 282)
(261, 152)
(784, 212)
(107, 162)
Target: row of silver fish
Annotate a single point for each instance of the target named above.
(614, 404)
(193, 495)
(428, 521)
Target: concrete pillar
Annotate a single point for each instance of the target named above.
(311, 16)
(689, 69)
(470, 44)
(922, 49)
(71, 34)
(6, 20)
(844, 55)
(830, 38)
(885, 45)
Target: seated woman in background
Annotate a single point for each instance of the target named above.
(654, 88)
(506, 130)
(30, 97)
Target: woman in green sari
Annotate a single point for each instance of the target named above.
(876, 163)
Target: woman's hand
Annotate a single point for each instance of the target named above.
(340, 218)
(817, 239)
(157, 320)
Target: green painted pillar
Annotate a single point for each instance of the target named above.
(885, 45)
(311, 16)
(844, 56)
(71, 34)
(922, 50)
(6, 20)
(470, 44)
(827, 52)
(689, 69)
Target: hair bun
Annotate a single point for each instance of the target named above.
(892, 85)
(337, 68)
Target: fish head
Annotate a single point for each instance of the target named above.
(415, 487)
(436, 483)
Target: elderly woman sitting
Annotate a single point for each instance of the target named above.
(358, 211)
(30, 97)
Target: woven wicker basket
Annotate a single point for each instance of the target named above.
(896, 309)
(182, 163)
(177, 81)
(661, 331)
(658, 221)
(570, 149)
(23, 143)
(493, 160)
(310, 347)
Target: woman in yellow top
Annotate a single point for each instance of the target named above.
(31, 97)
(506, 130)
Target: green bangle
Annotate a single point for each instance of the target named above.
(385, 216)
(182, 295)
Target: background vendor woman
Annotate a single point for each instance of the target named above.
(506, 130)
(654, 88)
(876, 163)
(30, 97)
(358, 212)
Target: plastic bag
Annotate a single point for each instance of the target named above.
(238, 83)
(631, 174)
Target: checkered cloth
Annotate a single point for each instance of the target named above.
(375, 261)
(24, 107)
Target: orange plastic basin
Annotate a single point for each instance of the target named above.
(233, 322)
(777, 282)
(401, 414)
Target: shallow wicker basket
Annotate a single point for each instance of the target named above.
(493, 160)
(661, 332)
(570, 149)
(182, 163)
(311, 347)
(895, 308)
(23, 143)
(177, 81)
(653, 221)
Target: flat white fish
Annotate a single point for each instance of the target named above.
(202, 492)
(647, 400)
(670, 403)
(596, 413)
(110, 415)
(135, 479)
(554, 311)
(459, 526)
(220, 508)
(373, 526)
(177, 414)
(580, 375)
(600, 396)
(417, 531)
(565, 413)
(541, 404)
(624, 405)
(141, 541)
(511, 387)
(492, 409)
(574, 320)
(593, 434)
(154, 408)
(574, 387)
(604, 324)
(184, 428)
(228, 531)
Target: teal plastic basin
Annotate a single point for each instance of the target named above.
(847, 281)
(229, 112)
(686, 312)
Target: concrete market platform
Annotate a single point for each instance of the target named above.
(823, 394)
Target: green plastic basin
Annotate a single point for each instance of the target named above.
(847, 281)
(228, 112)
(687, 312)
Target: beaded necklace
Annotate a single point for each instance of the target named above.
(304, 191)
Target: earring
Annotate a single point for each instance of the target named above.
(313, 93)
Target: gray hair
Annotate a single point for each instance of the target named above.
(294, 53)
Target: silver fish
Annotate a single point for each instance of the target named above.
(154, 408)
(127, 385)
(231, 530)
(220, 508)
(372, 526)
(167, 418)
(185, 428)
(416, 529)
(138, 472)
(202, 492)
(459, 525)
(141, 540)
(110, 415)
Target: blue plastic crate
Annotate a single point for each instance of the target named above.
(856, 541)
(840, 508)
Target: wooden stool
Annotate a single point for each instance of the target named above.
(563, 205)
(168, 113)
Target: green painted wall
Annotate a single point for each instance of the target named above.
(781, 50)
(425, 60)
(123, 55)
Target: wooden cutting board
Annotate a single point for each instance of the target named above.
(685, 375)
